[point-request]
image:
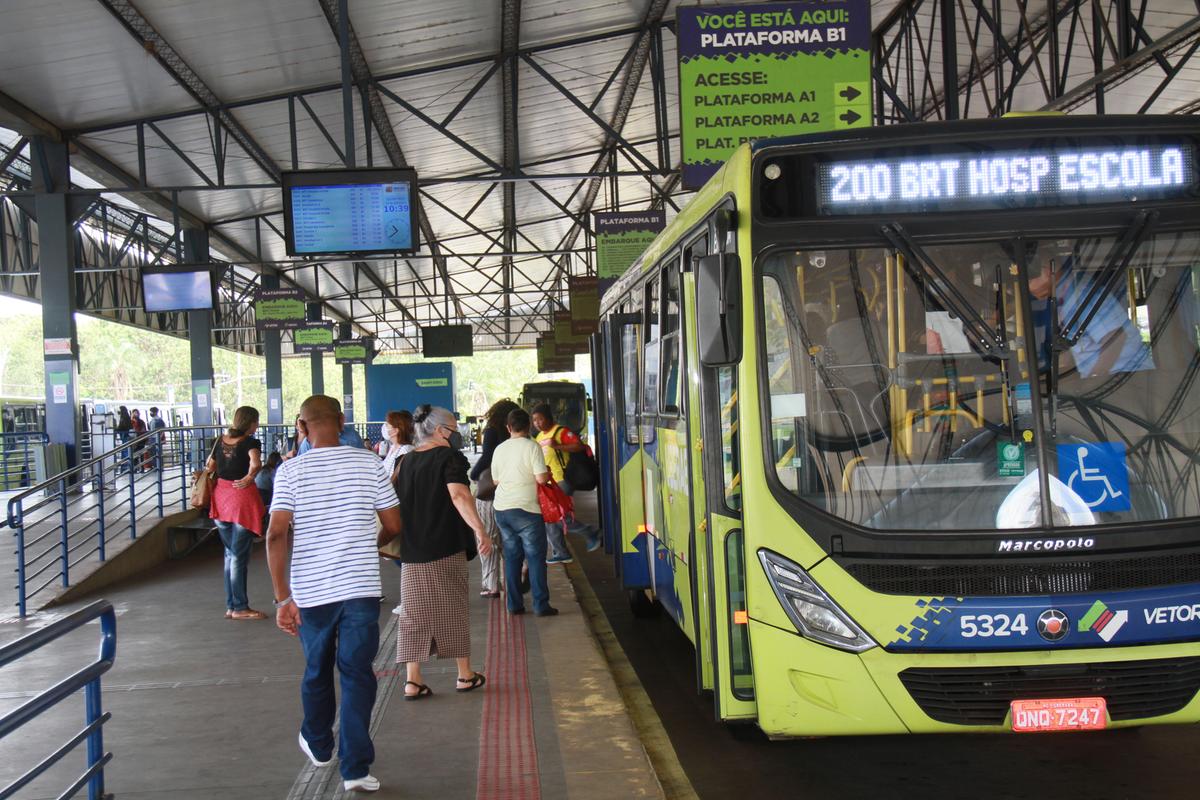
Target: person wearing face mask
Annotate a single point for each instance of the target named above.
(442, 531)
(398, 434)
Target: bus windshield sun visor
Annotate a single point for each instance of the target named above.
(925, 273)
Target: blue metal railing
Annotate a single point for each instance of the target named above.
(87, 679)
(18, 458)
(74, 516)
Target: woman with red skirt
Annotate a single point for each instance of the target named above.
(236, 506)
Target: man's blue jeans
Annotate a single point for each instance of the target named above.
(555, 530)
(237, 541)
(345, 633)
(523, 535)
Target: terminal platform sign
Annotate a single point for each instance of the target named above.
(315, 338)
(351, 351)
(279, 309)
(760, 71)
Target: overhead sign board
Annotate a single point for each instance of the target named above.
(549, 359)
(565, 339)
(350, 211)
(279, 309)
(760, 71)
(622, 236)
(314, 338)
(351, 351)
(584, 294)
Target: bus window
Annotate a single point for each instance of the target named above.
(670, 339)
(650, 385)
(731, 468)
(898, 405)
(630, 374)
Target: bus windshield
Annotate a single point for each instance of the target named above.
(996, 384)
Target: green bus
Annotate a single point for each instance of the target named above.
(901, 427)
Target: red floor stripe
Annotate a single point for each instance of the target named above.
(508, 764)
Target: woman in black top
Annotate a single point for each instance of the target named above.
(123, 430)
(441, 532)
(496, 432)
(237, 507)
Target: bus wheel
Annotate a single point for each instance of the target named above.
(641, 605)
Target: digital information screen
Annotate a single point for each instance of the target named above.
(447, 341)
(351, 211)
(1005, 180)
(177, 290)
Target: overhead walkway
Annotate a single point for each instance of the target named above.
(206, 707)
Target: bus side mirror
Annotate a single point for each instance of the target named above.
(589, 405)
(719, 309)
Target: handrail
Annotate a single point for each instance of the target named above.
(87, 679)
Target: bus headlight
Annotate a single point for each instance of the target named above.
(812, 611)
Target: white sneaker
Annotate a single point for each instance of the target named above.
(397, 610)
(368, 783)
(308, 752)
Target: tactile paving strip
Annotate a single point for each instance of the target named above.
(508, 762)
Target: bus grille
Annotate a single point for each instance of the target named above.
(999, 579)
(981, 696)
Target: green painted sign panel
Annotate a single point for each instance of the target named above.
(314, 339)
(279, 309)
(620, 238)
(761, 71)
(427, 383)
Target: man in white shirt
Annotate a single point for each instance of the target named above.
(331, 498)
(518, 466)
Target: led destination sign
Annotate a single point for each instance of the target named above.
(1004, 180)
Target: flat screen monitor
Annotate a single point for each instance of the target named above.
(447, 341)
(178, 289)
(356, 211)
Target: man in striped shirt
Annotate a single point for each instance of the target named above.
(331, 498)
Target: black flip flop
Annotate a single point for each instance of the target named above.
(472, 683)
(423, 691)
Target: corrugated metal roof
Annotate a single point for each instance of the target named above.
(75, 64)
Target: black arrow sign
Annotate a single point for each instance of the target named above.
(850, 117)
(849, 93)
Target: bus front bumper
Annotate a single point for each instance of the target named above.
(807, 689)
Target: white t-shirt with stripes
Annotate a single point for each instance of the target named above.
(333, 494)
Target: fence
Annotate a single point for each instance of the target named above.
(87, 679)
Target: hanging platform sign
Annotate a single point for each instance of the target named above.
(622, 236)
(567, 342)
(548, 358)
(351, 351)
(584, 294)
(760, 71)
(313, 338)
(279, 309)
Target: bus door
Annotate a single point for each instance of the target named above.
(624, 468)
(718, 499)
(604, 379)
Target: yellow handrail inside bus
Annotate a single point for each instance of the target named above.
(850, 467)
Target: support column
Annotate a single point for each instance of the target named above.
(318, 358)
(200, 325)
(345, 331)
(273, 355)
(56, 216)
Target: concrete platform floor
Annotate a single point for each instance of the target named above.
(205, 707)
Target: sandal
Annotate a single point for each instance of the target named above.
(472, 683)
(422, 692)
(249, 613)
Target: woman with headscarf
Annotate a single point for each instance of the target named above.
(124, 431)
(496, 432)
(237, 507)
(441, 532)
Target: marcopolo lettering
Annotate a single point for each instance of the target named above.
(1043, 545)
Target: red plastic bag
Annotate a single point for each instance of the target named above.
(556, 506)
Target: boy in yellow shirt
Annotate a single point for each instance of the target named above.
(557, 444)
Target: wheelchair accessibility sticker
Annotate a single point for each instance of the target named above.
(1097, 473)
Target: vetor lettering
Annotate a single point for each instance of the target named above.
(1043, 545)
(1169, 614)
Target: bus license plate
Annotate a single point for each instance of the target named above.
(1070, 714)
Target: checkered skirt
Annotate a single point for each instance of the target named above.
(434, 616)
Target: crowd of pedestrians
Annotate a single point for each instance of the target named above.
(338, 506)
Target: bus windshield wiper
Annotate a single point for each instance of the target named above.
(932, 278)
(1105, 280)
